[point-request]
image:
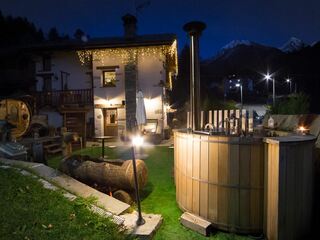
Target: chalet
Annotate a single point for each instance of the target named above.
(90, 85)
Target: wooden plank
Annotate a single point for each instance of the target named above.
(195, 223)
(196, 175)
(189, 170)
(225, 123)
(220, 119)
(215, 119)
(244, 120)
(234, 181)
(210, 117)
(244, 183)
(213, 178)
(204, 176)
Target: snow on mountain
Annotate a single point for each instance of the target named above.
(236, 43)
(231, 45)
(294, 44)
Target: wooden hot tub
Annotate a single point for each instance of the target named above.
(221, 179)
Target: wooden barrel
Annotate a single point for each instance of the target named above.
(220, 178)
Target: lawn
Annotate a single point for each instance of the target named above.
(159, 194)
(28, 211)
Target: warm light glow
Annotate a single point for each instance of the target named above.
(302, 130)
(137, 141)
(128, 53)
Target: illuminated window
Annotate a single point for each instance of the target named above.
(109, 78)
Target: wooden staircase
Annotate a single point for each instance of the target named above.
(52, 146)
(76, 122)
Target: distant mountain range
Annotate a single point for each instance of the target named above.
(247, 59)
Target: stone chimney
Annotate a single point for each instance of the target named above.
(130, 25)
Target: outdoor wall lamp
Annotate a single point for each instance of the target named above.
(137, 141)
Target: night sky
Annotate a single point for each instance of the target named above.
(269, 22)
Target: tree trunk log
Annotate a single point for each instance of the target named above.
(106, 174)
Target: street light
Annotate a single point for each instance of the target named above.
(240, 86)
(137, 141)
(288, 80)
(268, 77)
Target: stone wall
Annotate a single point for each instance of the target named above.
(130, 72)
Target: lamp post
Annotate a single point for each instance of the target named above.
(288, 80)
(136, 142)
(241, 96)
(268, 77)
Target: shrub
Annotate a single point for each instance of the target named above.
(294, 104)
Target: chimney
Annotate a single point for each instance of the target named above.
(130, 25)
(194, 29)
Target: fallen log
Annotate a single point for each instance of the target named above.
(118, 176)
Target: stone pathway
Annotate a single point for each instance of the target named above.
(106, 206)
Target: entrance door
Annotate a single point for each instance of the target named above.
(110, 122)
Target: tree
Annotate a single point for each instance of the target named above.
(78, 34)
(53, 34)
(181, 87)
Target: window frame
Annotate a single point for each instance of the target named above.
(112, 83)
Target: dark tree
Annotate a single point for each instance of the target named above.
(180, 89)
(78, 34)
(53, 34)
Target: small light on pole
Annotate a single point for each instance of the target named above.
(137, 141)
(288, 80)
(239, 85)
(268, 77)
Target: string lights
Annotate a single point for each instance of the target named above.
(127, 54)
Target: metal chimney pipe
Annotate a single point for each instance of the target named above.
(194, 30)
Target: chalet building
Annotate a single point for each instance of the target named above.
(90, 85)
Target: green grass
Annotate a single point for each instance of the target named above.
(28, 211)
(159, 194)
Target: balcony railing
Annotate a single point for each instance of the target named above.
(79, 97)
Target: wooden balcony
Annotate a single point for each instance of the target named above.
(65, 98)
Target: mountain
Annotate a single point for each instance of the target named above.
(292, 45)
(249, 60)
(240, 57)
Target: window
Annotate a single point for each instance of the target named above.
(109, 78)
(47, 83)
(46, 63)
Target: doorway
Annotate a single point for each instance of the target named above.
(110, 121)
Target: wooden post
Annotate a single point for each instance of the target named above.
(250, 122)
(225, 123)
(215, 119)
(210, 117)
(201, 119)
(220, 119)
(244, 120)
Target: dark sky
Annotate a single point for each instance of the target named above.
(270, 22)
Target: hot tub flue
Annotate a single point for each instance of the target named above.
(194, 30)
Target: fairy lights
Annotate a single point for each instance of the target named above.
(127, 54)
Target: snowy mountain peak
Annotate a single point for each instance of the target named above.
(294, 44)
(236, 43)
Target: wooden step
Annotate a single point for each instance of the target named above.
(52, 151)
(51, 145)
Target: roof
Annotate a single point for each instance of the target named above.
(107, 42)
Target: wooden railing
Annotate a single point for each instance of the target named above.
(80, 97)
